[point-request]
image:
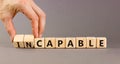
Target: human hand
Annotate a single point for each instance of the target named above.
(9, 8)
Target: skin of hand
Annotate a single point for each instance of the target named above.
(9, 8)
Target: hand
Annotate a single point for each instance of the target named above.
(9, 8)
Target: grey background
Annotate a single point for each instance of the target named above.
(100, 18)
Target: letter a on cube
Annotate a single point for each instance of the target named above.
(50, 42)
(70, 42)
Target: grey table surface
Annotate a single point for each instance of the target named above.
(10, 55)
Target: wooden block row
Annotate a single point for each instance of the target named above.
(28, 41)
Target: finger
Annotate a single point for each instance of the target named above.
(9, 27)
(42, 19)
(28, 11)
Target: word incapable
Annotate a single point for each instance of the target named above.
(28, 41)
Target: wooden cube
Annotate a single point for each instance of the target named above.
(50, 42)
(91, 42)
(18, 41)
(60, 42)
(81, 42)
(70, 42)
(39, 43)
(29, 41)
(101, 42)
